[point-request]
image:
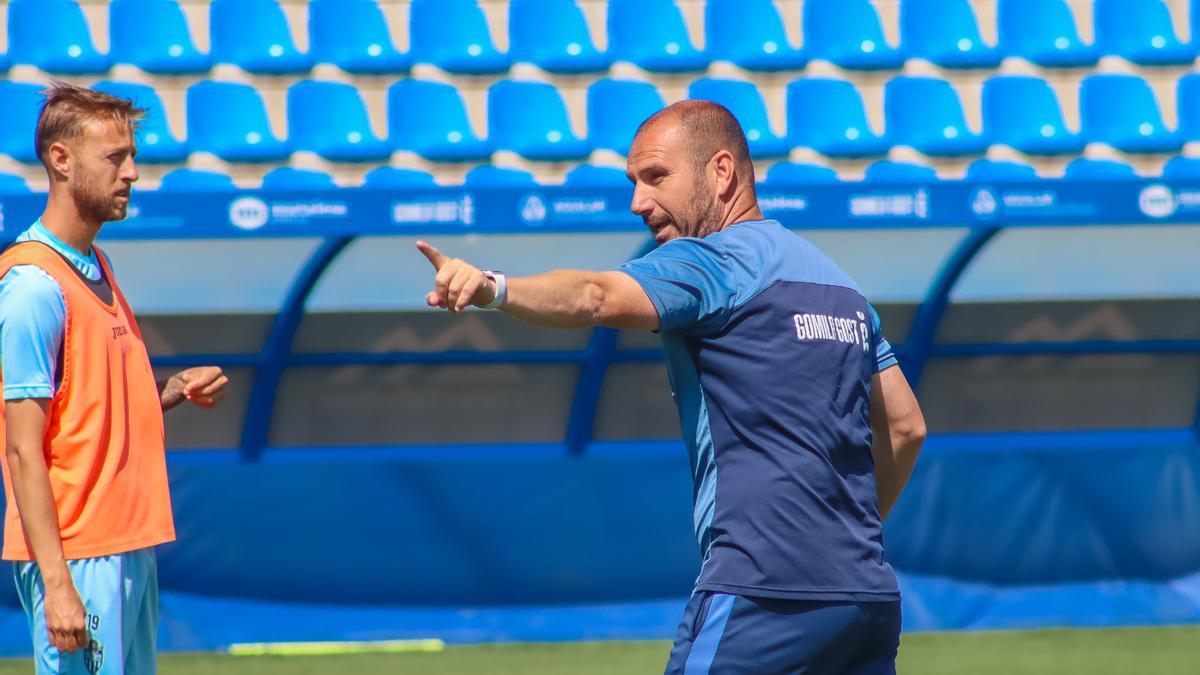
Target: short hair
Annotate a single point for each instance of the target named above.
(709, 128)
(68, 108)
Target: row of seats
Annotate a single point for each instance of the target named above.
(553, 34)
(590, 175)
(330, 119)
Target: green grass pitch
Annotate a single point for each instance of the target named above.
(1125, 651)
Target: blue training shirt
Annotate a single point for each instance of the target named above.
(771, 349)
(33, 315)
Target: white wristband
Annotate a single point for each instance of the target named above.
(501, 289)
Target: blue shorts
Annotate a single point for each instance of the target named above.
(120, 594)
(726, 634)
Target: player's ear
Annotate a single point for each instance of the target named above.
(725, 170)
(60, 160)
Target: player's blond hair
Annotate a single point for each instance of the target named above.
(68, 109)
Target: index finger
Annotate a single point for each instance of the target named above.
(433, 255)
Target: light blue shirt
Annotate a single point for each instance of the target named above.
(33, 315)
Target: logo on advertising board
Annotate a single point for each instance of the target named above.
(249, 213)
(1157, 201)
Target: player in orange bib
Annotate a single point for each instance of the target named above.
(85, 474)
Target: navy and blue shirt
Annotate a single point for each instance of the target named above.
(771, 350)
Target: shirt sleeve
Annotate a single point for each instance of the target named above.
(692, 284)
(884, 356)
(32, 318)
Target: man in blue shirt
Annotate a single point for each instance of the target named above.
(800, 427)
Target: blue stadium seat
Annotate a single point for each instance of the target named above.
(651, 34)
(1022, 112)
(749, 34)
(887, 171)
(13, 185)
(1082, 168)
(353, 35)
(1182, 167)
(188, 180)
(946, 33)
(1187, 103)
(590, 175)
(288, 178)
(553, 35)
(229, 120)
(53, 36)
(429, 118)
(392, 177)
(1042, 32)
(828, 116)
(530, 119)
(166, 50)
(925, 113)
(787, 173)
(847, 33)
(330, 119)
(489, 175)
(453, 35)
(155, 142)
(20, 103)
(746, 103)
(615, 109)
(254, 35)
(1121, 110)
(1140, 31)
(997, 171)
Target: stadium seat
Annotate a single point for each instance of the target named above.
(1042, 32)
(1187, 168)
(4, 63)
(392, 177)
(429, 118)
(187, 180)
(996, 171)
(749, 34)
(1140, 32)
(166, 50)
(530, 119)
(155, 142)
(887, 171)
(289, 178)
(946, 33)
(254, 35)
(489, 175)
(53, 36)
(1121, 110)
(924, 113)
(1187, 103)
(847, 33)
(353, 35)
(453, 35)
(1023, 113)
(651, 34)
(1082, 168)
(13, 185)
(746, 103)
(229, 120)
(615, 109)
(330, 119)
(553, 35)
(590, 175)
(828, 116)
(787, 173)
(20, 103)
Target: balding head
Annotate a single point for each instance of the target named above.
(707, 128)
(691, 170)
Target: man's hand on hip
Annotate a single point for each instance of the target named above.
(457, 284)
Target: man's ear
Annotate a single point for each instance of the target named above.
(725, 169)
(61, 160)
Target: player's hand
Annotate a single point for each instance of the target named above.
(66, 619)
(457, 284)
(204, 386)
